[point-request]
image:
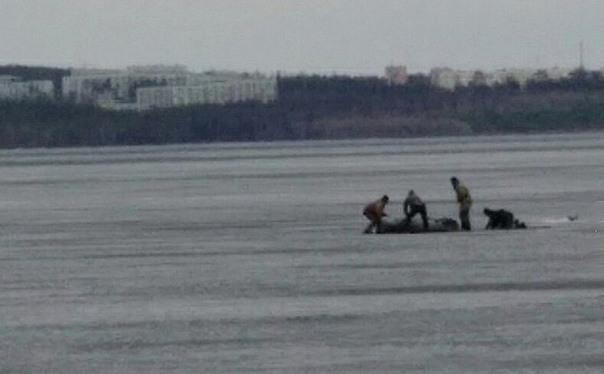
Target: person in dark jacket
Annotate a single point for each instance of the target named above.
(499, 219)
(374, 212)
(413, 205)
(502, 220)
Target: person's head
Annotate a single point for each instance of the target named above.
(454, 181)
(411, 193)
(385, 199)
(487, 212)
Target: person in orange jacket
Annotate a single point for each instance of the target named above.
(374, 212)
(465, 203)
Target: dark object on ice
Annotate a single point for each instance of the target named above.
(403, 226)
(502, 220)
(519, 225)
(573, 218)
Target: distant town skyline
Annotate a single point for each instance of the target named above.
(354, 37)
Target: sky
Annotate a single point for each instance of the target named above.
(352, 37)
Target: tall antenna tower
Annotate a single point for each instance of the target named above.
(581, 55)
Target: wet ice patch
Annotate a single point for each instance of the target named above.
(555, 220)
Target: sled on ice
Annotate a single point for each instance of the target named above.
(401, 226)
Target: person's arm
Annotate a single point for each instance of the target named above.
(458, 195)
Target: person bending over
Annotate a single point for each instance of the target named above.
(374, 212)
(413, 205)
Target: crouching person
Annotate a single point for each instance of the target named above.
(374, 212)
(499, 219)
(413, 205)
(502, 220)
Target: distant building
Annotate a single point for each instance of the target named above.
(522, 76)
(444, 78)
(557, 73)
(500, 76)
(12, 88)
(449, 79)
(119, 86)
(207, 91)
(159, 86)
(396, 75)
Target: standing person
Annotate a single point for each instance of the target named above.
(374, 212)
(465, 203)
(413, 205)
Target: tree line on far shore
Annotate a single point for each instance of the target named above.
(317, 107)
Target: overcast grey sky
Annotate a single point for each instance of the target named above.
(314, 36)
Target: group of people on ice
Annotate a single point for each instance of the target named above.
(414, 205)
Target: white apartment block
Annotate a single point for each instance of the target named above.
(92, 85)
(160, 86)
(208, 92)
(104, 86)
(11, 88)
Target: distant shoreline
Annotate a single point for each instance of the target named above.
(315, 108)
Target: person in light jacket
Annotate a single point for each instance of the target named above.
(464, 199)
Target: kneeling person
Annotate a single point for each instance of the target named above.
(499, 219)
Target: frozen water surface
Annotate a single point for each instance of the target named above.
(232, 258)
